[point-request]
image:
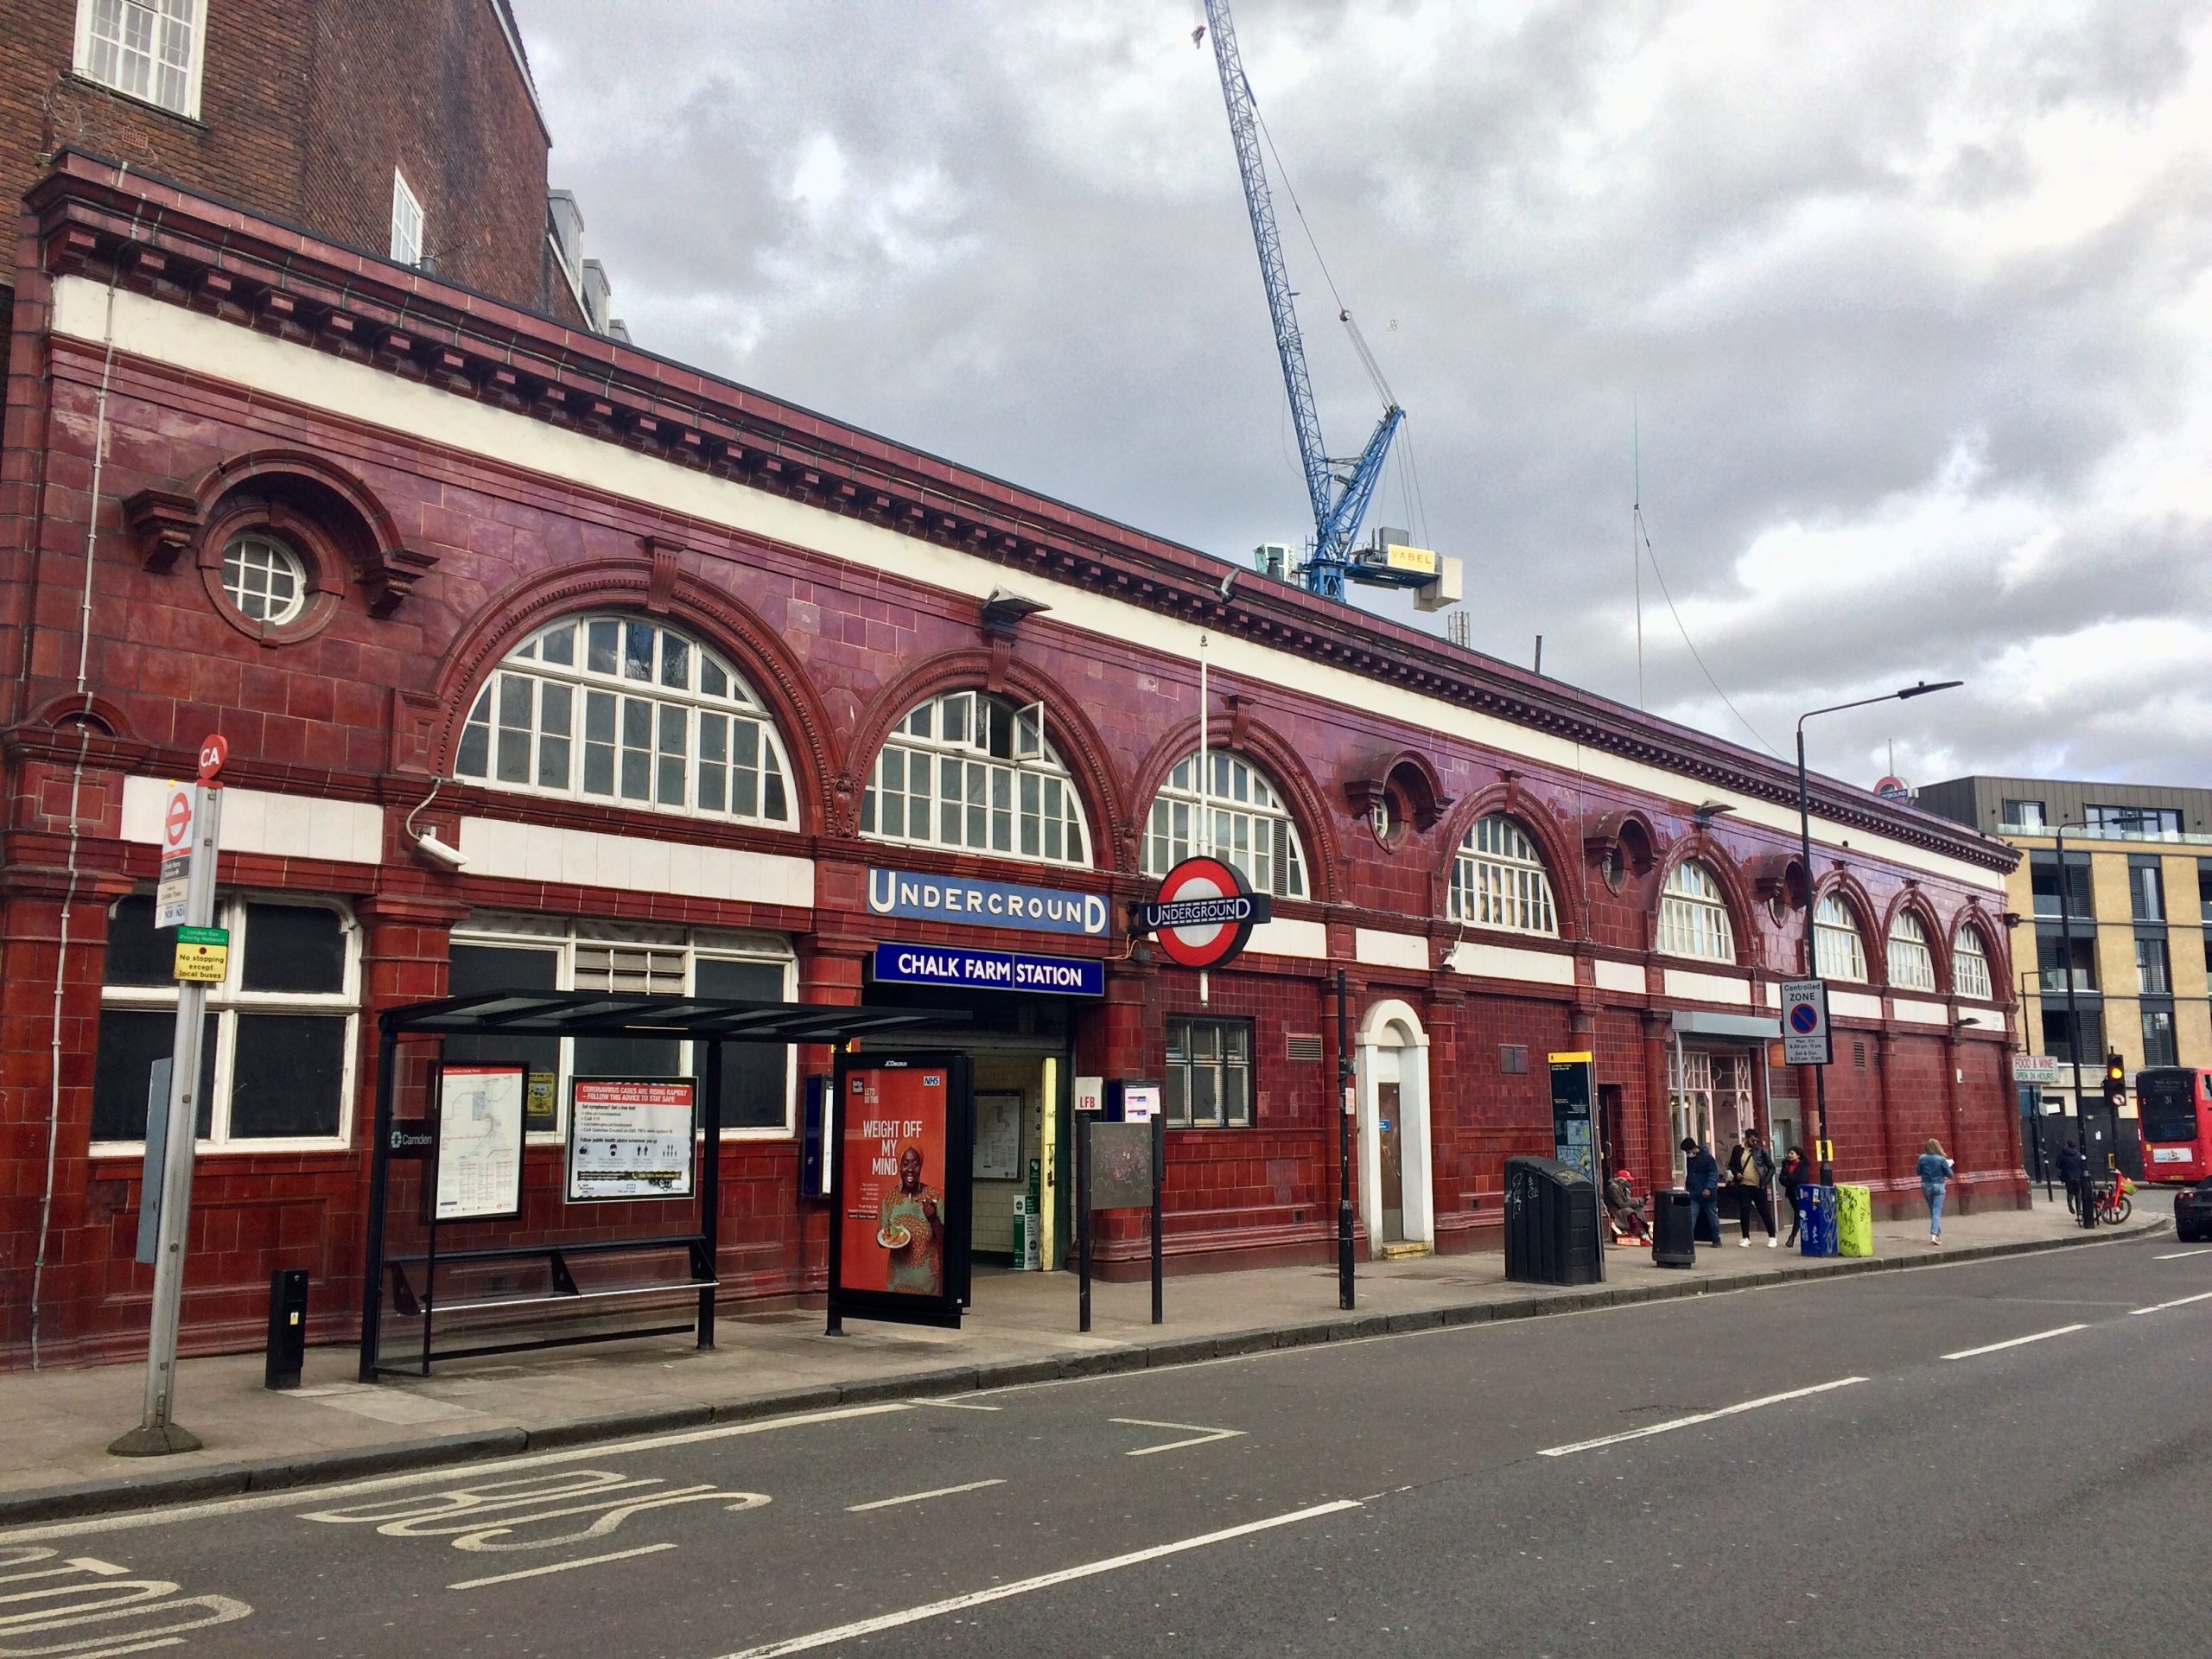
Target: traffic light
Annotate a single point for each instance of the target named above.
(2115, 1082)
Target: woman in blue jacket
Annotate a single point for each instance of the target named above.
(1701, 1180)
(1934, 1172)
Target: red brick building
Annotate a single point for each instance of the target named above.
(724, 697)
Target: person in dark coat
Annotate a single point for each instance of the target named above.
(1795, 1173)
(2071, 1166)
(1701, 1180)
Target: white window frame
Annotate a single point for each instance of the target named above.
(918, 743)
(280, 553)
(563, 938)
(165, 16)
(527, 663)
(408, 226)
(1912, 964)
(1838, 948)
(227, 1000)
(1253, 828)
(1970, 974)
(1694, 918)
(1498, 879)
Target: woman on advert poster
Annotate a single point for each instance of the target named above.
(911, 1230)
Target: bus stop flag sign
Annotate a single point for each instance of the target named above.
(1805, 1022)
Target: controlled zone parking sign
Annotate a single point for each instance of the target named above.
(1205, 912)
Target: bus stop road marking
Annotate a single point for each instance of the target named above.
(559, 1567)
(1202, 1435)
(2040, 1336)
(1650, 1429)
(954, 1405)
(474, 1472)
(916, 1497)
(2178, 1301)
(1042, 1581)
(2176, 1255)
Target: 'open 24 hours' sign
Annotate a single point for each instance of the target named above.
(1206, 912)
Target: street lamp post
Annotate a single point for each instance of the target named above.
(2034, 1118)
(1826, 1148)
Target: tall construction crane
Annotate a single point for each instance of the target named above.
(1339, 490)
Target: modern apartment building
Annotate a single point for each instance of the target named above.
(2138, 874)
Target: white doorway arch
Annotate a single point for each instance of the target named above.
(1390, 1056)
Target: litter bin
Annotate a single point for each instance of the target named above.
(1854, 1221)
(1674, 1224)
(1551, 1224)
(1815, 1220)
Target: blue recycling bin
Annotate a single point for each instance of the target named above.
(1816, 1221)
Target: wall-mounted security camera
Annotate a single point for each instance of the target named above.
(438, 852)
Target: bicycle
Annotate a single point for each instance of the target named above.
(2114, 1206)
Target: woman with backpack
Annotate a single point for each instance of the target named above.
(1794, 1177)
(1935, 1171)
(1750, 1168)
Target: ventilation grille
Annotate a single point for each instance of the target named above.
(1304, 1050)
(1859, 1054)
(1513, 1058)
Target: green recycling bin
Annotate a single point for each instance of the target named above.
(1854, 1221)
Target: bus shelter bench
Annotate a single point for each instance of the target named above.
(561, 1287)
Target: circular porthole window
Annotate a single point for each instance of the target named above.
(265, 579)
(1383, 820)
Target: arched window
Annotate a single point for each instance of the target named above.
(1498, 879)
(969, 770)
(1912, 966)
(1838, 952)
(621, 709)
(1251, 825)
(1692, 916)
(1970, 966)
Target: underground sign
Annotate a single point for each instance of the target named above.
(1204, 913)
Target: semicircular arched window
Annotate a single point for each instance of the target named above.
(1912, 965)
(1252, 826)
(1693, 915)
(631, 712)
(1498, 879)
(1970, 966)
(1839, 953)
(971, 771)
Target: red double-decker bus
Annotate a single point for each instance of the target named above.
(2175, 1104)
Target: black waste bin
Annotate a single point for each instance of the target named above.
(1673, 1229)
(1551, 1224)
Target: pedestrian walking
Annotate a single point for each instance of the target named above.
(1795, 1177)
(2071, 1167)
(1935, 1171)
(1750, 1169)
(1701, 1180)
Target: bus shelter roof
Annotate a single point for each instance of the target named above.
(623, 1014)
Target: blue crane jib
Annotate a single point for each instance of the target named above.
(1338, 491)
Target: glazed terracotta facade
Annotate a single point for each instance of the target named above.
(456, 474)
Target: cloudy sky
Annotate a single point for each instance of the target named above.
(1907, 308)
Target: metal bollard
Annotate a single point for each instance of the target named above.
(288, 1328)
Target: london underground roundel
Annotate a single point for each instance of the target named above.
(1205, 912)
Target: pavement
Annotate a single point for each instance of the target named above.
(1021, 1329)
(1960, 1460)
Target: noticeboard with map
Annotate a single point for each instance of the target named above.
(480, 1143)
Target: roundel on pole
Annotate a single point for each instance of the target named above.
(1205, 912)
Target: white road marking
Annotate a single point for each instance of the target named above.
(125, 1615)
(2176, 1255)
(1202, 1435)
(1042, 1581)
(954, 1405)
(1650, 1429)
(559, 1567)
(2178, 1301)
(474, 1471)
(916, 1497)
(2061, 1331)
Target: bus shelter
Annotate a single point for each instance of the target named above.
(464, 1222)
